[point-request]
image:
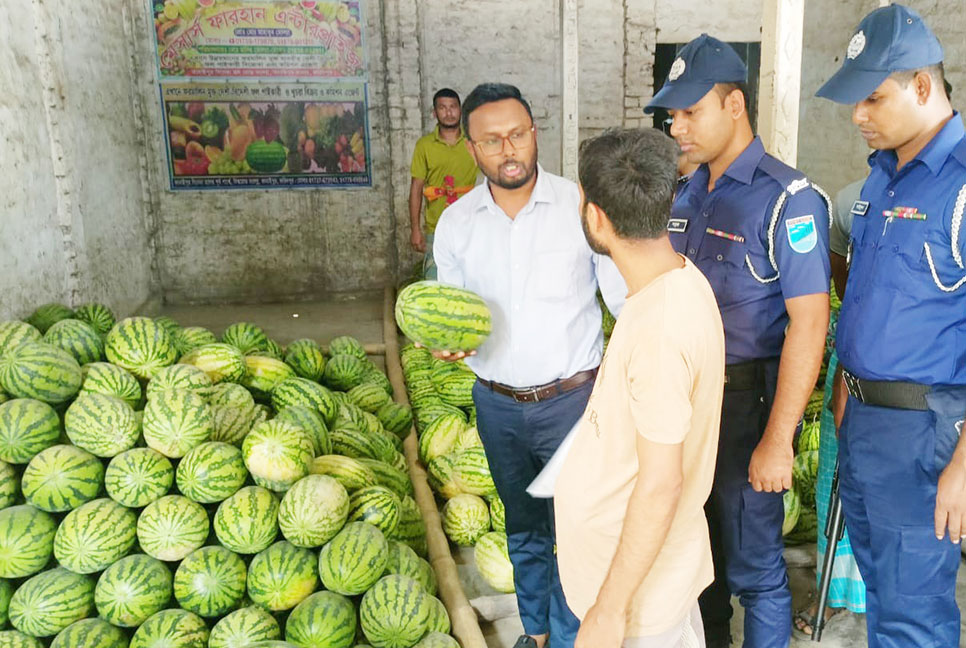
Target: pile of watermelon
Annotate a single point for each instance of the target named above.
(160, 486)
(450, 448)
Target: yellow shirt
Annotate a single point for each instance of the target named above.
(448, 171)
(662, 377)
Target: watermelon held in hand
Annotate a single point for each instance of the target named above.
(443, 317)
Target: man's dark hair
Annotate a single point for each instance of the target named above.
(488, 93)
(631, 174)
(448, 93)
(937, 72)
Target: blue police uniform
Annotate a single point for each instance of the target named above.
(902, 343)
(760, 237)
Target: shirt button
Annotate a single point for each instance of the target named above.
(719, 257)
(895, 248)
(891, 193)
(691, 251)
(705, 214)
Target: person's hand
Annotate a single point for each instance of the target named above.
(840, 396)
(601, 629)
(418, 241)
(951, 500)
(770, 469)
(448, 356)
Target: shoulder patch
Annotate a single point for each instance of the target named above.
(802, 236)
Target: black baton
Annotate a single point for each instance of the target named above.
(834, 530)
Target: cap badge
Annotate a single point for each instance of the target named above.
(677, 69)
(856, 45)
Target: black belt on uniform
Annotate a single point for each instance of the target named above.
(541, 392)
(887, 393)
(745, 375)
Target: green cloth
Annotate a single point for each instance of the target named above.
(433, 161)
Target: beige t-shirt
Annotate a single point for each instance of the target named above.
(662, 377)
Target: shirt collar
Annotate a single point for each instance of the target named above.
(542, 193)
(744, 166)
(934, 154)
(459, 140)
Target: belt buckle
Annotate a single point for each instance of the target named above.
(853, 386)
(526, 395)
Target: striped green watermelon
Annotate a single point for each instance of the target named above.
(274, 350)
(210, 582)
(471, 472)
(263, 413)
(411, 528)
(280, 577)
(426, 576)
(469, 438)
(277, 454)
(396, 418)
(443, 317)
(497, 514)
(306, 360)
(413, 356)
(437, 640)
(27, 426)
(809, 437)
(301, 391)
(9, 485)
(61, 478)
(17, 639)
(47, 315)
(322, 620)
(137, 477)
(141, 346)
(372, 424)
(175, 422)
(343, 372)
(192, 337)
(242, 628)
(376, 505)
(26, 540)
(392, 478)
(439, 473)
(313, 511)
(402, 560)
(272, 644)
(457, 388)
(349, 472)
(440, 437)
(438, 617)
(309, 420)
(13, 333)
(40, 371)
(395, 613)
(465, 519)
(132, 589)
(169, 325)
(97, 315)
(492, 559)
(172, 527)
(211, 472)
(102, 425)
(350, 414)
(368, 397)
(111, 380)
(427, 414)
(90, 633)
(171, 629)
(50, 601)
(354, 559)
(245, 337)
(180, 377)
(347, 345)
(350, 442)
(94, 535)
(77, 338)
(4, 396)
(374, 376)
(247, 522)
(264, 374)
(231, 395)
(231, 424)
(222, 362)
(6, 591)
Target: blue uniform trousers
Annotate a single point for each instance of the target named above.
(519, 439)
(746, 527)
(889, 465)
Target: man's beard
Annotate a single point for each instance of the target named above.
(594, 244)
(513, 183)
(453, 124)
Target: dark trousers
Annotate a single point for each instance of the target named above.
(746, 528)
(889, 466)
(519, 439)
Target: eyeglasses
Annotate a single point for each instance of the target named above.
(518, 139)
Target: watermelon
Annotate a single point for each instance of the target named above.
(349, 414)
(343, 372)
(61, 478)
(245, 337)
(804, 474)
(211, 472)
(427, 577)
(438, 617)
(274, 350)
(411, 528)
(392, 478)
(440, 476)
(376, 505)
(26, 540)
(280, 577)
(427, 414)
(437, 640)
(471, 472)
(6, 591)
(351, 442)
(492, 559)
(306, 360)
(169, 325)
(77, 338)
(401, 559)
(90, 633)
(793, 508)
(111, 380)
(50, 601)
(27, 427)
(368, 397)
(443, 317)
(103, 425)
(192, 337)
(40, 371)
(440, 437)
(809, 437)
(222, 362)
(351, 473)
(231, 395)
(132, 589)
(9, 485)
(313, 511)
(301, 391)
(47, 315)
(16, 639)
(13, 333)
(263, 413)
(277, 454)
(137, 477)
(97, 315)
(210, 582)
(182, 377)
(244, 627)
(4, 396)
(469, 438)
(94, 535)
(172, 527)
(310, 421)
(141, 346)
(347, 345)
(247, 522)
(396, 418)
(271, 644)
(171, 629)
(465, 519)
(497, 514)
(395, 613)
(354, 559)
(322, 620)
(375, 376)
(264, 374)
(175, 422)
(231, 424)
(456, 387)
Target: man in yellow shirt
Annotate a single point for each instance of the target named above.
(442, 171)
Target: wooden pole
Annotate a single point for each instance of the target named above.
(466, 626)
(782, 25)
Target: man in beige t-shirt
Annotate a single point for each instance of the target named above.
(632, 539)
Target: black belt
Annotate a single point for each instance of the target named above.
(745, 375)
(887, 393)
(541, 392)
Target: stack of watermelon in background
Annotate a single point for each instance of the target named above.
(159, 487)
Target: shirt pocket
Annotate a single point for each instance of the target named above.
(722, 261)
(554, 274)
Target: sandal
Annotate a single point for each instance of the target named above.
(804, 621)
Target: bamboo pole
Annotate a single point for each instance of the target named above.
(466, 626)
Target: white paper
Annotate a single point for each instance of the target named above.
(545, 482)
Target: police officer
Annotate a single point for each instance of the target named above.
(902, 333)
(758, 229)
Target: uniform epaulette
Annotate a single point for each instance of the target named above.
(783, 174)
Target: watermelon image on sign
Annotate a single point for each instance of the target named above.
(443, 317)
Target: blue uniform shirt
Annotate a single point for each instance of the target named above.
(904, 315)
(737, 240)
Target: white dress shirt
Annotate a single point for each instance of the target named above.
(538, 276)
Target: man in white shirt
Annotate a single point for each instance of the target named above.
(517, 241)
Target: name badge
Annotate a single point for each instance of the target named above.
(677, 225)
(860, 207)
